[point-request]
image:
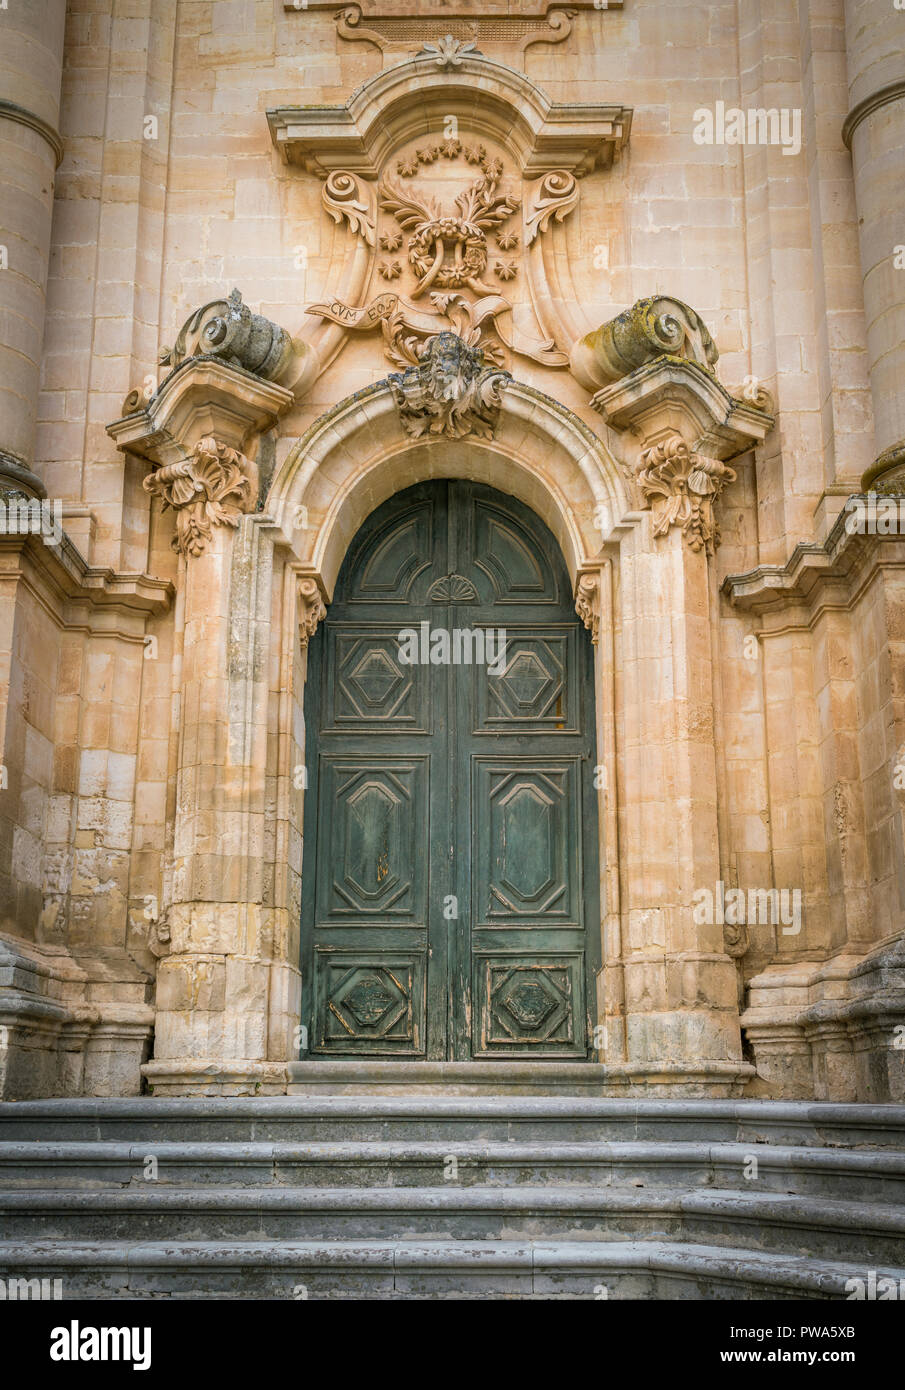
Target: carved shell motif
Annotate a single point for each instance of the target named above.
(452, 588)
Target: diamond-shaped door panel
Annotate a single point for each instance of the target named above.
(527, 851)
(533, 688)
(377, 818)
(369, 1002)
(529, 1005)
(367, 686)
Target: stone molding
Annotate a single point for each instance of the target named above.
(213, 487)
(812, 571)
(357, 454)
(392, 33)
(11, 111)
(893, 91)
(201, 397)
(360, 136)
(674, 389)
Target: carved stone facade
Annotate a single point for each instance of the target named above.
(488, 249)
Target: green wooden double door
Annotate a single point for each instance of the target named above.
(450, 889)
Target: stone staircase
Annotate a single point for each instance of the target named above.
(439, 1197)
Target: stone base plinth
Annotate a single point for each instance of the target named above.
(517, 1078)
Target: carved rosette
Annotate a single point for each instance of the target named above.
(450, 392)
(212, 487)
(680, 487)
(587, 604)
(311, 610)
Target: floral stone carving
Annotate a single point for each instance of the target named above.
(450, 392)
(680, 487)
(213, 487)
(449, 250)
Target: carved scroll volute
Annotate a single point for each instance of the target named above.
(311, 610)
(214, 486)
(551, 198)
(587, 604)
(346, 196)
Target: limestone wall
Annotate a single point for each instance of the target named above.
(152, 824)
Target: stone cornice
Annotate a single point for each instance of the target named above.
(810, 569)
(203, 396)
(13, 112)
(79, 594)
(392, 107)
(458, 9)
(893, 91)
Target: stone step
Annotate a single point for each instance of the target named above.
(759, 1221)
(540, 1118)
(432, 1269)
(864, 1175)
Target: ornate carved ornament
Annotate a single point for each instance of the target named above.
(446, 221)
(658, 326)
(395, 27)
(453, 9)
(680, 488)
(311, 609)
(658, 361)
(212, 487)
(227, 329)
(587, 603)
(450, 392)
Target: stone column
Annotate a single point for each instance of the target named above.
(680, 983)
(874, 130)
(31, 59)
(212, 987)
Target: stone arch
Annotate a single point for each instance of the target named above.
(357, 455)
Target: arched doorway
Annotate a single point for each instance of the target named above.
(450, 902)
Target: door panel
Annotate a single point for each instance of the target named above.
(450, 901)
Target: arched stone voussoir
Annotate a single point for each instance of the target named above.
(358, 454)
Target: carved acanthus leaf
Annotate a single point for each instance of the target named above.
(680, 488)
(449, 392)
(346, 196)
(553, 196)
(212, 487)
(311, 609)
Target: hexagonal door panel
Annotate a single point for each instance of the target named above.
(526, 817)
(368, 687)
(377, 820)
(535, 687)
